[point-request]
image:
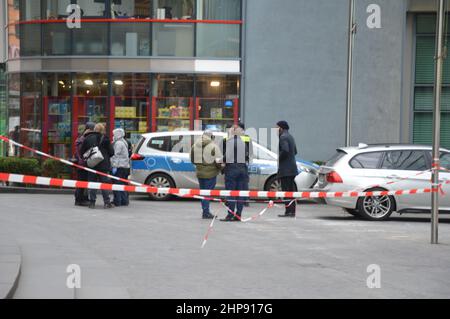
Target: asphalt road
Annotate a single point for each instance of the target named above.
(152, 250)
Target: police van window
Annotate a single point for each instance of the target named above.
(262, 154)
(366, 160)
(160, 143)
(182, 143)
(405, 160)
(445, 161)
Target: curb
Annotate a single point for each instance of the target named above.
(33, 190)
(10, 268)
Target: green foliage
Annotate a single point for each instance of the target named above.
(53, 168)
(19, 165)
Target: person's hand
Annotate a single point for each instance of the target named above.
(114, 170)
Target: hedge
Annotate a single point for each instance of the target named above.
(18, 165)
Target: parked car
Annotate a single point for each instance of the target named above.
(162, 160)
(378, 168)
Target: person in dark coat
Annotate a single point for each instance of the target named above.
(100, 139)
(287, 165)
(81, 197)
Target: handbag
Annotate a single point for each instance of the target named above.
(93, 156)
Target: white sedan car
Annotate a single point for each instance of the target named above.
(379, 168)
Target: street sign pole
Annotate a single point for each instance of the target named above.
(351, 38)
(437, 123)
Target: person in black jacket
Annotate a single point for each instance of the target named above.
(287, 165)
(100, 139)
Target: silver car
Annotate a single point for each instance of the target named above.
(382, 167)
(163, 160)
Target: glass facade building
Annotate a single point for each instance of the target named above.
(142, 65)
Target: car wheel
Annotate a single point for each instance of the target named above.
(273, 185)
(353, 212)
(160, 180)
(376, 207)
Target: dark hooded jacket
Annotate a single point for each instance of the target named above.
(92, 139)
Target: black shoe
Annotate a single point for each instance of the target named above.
(91, 205)
(228, 219)
(287, 215)
(85, 204)
(108, 206)
(208, 216)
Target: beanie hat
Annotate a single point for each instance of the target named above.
(283, 124)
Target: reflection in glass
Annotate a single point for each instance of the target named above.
(173, 39)
(30, 112)
(30, 39)
(92, 8)
(218, 40)
(30, 10)
(218, 9)
(91, 39)
(173, 9)
(172, 102)
(55, 9)
(130, 8)
(57, 129)
(56, 39)
(131, 104)
(130, 39)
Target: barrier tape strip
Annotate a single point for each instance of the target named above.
(56, 182)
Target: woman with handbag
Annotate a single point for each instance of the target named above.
(97, 151)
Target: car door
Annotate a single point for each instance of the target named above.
(408, 169)
(180, 163)
(444, 177)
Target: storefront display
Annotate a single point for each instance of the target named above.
(172, 114)
(57, 128)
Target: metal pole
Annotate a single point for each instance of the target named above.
(351, 38)
(437, 123)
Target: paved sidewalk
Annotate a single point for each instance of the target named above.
(152, 250)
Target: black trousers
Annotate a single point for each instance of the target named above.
(288, 185)
(81, 193)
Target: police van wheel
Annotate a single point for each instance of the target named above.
(160, 180)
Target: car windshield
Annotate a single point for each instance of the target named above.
(261, 153)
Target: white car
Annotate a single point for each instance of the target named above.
(163, 160)
(383, 167)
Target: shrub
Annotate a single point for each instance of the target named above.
(19, 165)
(53, 168)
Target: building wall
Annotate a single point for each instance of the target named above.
(295, 69)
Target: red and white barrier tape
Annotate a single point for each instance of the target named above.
(56, 182)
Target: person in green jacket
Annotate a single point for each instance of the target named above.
(205, 155)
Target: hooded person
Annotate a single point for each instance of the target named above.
(120, 163)
(204, 155)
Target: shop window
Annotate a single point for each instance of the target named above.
(30, 39)
(92, 8)
(30, 10)
(30, 112)
(173, 39)
(218, 40)
(90, 102)
(131, 104)
(172, 103)
(57, 129)
(130, 9)
(173, 9)
(219, 9)
(217, 103)
(130, 39)
(3, 110)
(91, 39)
(55, 9)
(56, 39)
